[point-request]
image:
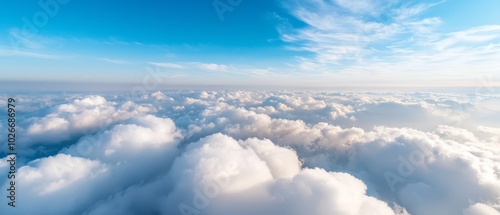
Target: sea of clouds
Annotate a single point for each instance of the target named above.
(255, 153)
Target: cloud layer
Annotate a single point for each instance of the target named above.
(248, 152)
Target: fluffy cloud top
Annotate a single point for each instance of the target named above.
(96, 166)
(219, 175)
(82, 115)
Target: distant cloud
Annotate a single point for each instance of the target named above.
(221, 69)
(19, 39)
(80, 116)
(26, 53)
(475, 35)
(389, 42)
(115, 61)
(168, 65)
(213, 67)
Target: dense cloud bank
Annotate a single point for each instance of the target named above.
(243, 152)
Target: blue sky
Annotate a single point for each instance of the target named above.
(259, 42)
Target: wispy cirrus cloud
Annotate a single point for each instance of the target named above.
(218, 68)
(27, 53)
(167, 65)
(472, 36)
(389, 41)
(115, 61)
(22, 39)
(19, 39)
(340, 30)
(212, 66)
